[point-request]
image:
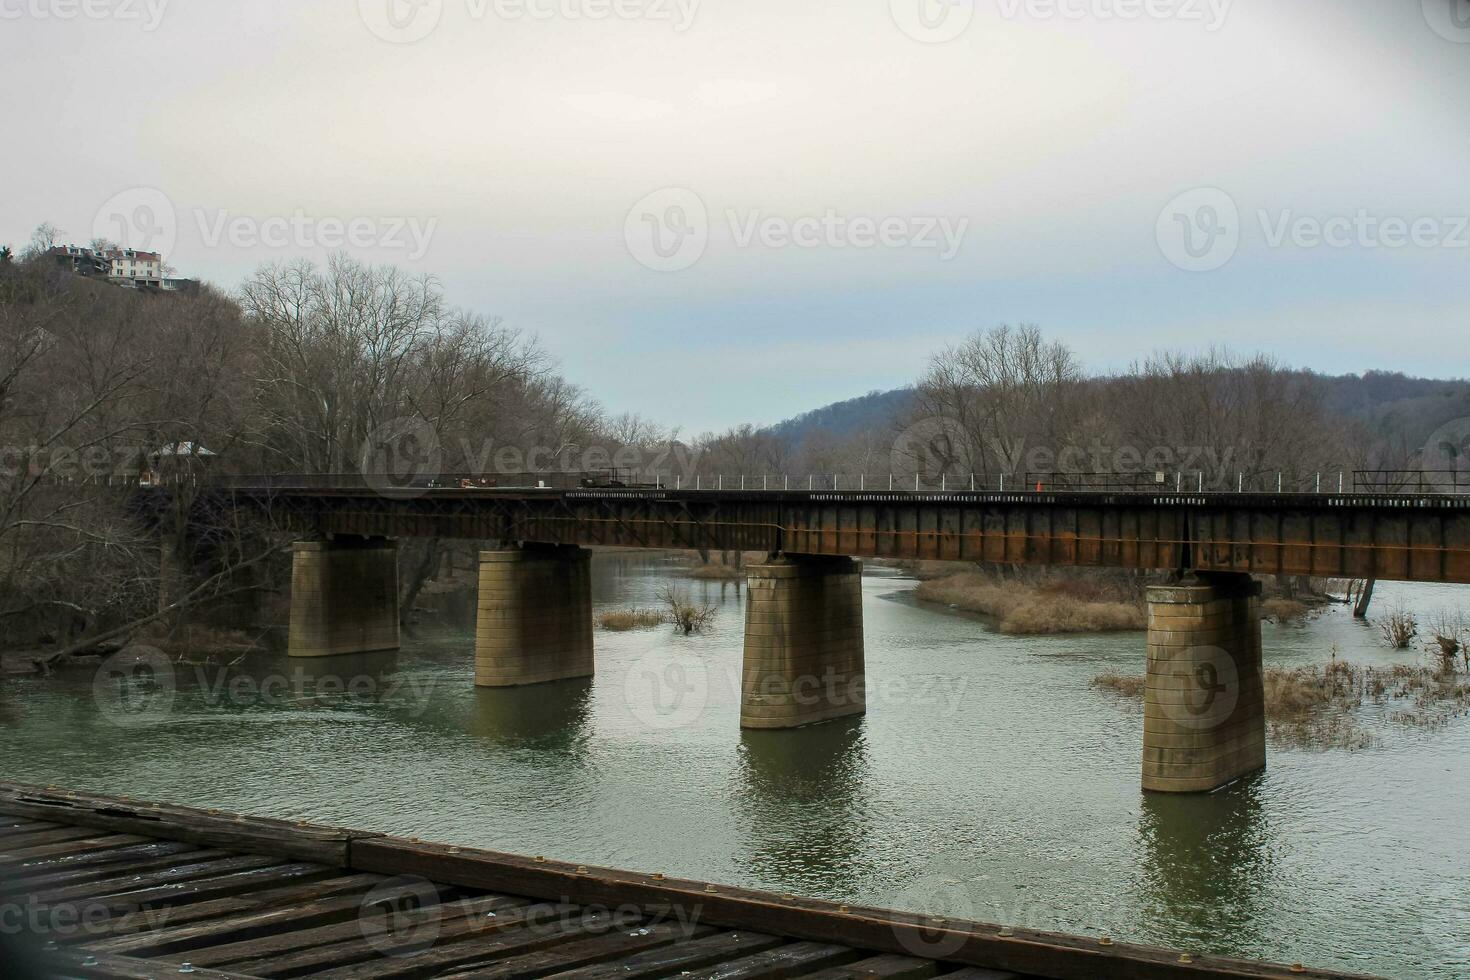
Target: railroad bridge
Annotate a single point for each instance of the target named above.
(1204, 723)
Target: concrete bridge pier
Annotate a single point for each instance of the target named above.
(534, 620)
(803, 642)
(344, 597)
(1204, 716)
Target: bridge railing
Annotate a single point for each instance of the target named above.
(436, 481)
(1380, 482)
(1411, 481)
(1190, 482)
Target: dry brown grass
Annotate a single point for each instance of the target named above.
(1399, 627)
(1284, 610)
(687, 616)
(1066, 606)
(1449, 632)
(624, 620)
(1319, 707)
(929, 571)
(1128, 687)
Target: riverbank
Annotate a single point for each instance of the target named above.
(1032, 609)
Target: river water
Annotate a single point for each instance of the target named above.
(988, 779)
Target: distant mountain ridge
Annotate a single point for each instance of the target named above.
(876, 409)
(1389, 403)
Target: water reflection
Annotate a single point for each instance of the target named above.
(322, 672)
(802, 805)
(1206, 863)
(1020, 807)
(547, 717)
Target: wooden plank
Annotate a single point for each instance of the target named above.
(201, 889)
(297, 841)
(181, 855)
(423, 945)
(705, 950)
(77, 963)
(458, 952)
(98, 842)
(671, 960)
(611, 945)
(41, 838)
(92, 858)
(211, 864)
(365, 924)
(291, 918)
(1022, 951)
(791, 960)
(202, 915)
(19, 825)
(886, 967)
(975, 973)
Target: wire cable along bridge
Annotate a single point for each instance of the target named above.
(1204, 723)
(109, 887)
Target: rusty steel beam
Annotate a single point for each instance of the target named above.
(1410, 538)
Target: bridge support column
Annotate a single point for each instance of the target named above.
(1204, 717)
(344, 597)
(803, 643)
(534, 621)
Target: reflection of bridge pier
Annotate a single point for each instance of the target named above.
(802, 804)
(1205, 862)
(552, 718)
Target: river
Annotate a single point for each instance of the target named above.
(988, 779)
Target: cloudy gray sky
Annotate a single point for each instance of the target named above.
(714, 211)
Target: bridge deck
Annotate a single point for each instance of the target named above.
(156, 887)
(1405, 537)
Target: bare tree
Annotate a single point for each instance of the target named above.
(95, 382)
(1007, 390)
(43, 239)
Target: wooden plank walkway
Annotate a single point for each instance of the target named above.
(109, 887)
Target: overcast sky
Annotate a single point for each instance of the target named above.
(714, 211)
